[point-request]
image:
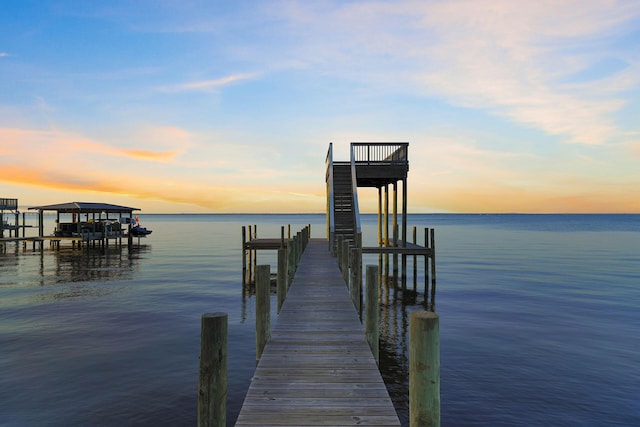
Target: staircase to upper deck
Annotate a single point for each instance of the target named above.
(343, 208)
(372, 165)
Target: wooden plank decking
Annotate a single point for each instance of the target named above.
(317, 369)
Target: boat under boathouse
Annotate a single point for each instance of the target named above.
(87, 222)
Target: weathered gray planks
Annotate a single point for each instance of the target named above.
(317, 369)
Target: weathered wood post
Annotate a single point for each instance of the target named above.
(250, 262)
(212, 390)
(345, 260)
(433, 268)
(291, 264)
(424, 369)
(372, 312)
(263, 308)
(415, 258)
(426, 265)
(282, 236)
(282, 277)
(339, 239)
(244, 254)
(355, 288)
(255, 251)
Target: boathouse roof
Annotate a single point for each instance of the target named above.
(85, 207)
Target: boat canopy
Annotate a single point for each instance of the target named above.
(85, 207)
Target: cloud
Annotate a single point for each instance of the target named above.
(76, 155)
(3, 54)
(224, 197)
(207, 85)
(209, 179)
(509, 59)
(512, 59)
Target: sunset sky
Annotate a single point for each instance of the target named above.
(230, 106)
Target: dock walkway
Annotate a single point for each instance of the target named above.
(317, 369)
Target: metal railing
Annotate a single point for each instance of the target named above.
(380, 152)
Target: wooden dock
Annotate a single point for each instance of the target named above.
(317, 369)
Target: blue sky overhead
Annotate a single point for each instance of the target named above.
(210, 106)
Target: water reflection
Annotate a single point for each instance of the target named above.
(399, 296)
(70, 265)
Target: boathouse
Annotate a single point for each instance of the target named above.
(88, 222)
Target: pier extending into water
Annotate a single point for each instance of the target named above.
(317, 368)
(319, 365)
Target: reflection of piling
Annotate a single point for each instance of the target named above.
(415, 259)
(212, 390)
(412, 250)
(372, 311)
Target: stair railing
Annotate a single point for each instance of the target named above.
(354, 191)
(331, 224)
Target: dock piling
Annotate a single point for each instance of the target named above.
(212, 390)
(424, 369)
(433, 269)
(282, 277)
(355, 287)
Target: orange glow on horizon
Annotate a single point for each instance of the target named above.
(147, 193)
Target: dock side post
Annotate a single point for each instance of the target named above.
(433, 269)
(346, 244)
(415, 259)
(244, 254)
(291, 265)
(250, 262)
(424, 369)
(426, 265)
(255, 251)
(372, 311)
(282, 277)
(263, 307)
(355, 288)
(212, 390)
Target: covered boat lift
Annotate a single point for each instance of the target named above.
(89, 222)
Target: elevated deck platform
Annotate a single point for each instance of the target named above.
(317, 369)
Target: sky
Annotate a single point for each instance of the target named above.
(229, 106)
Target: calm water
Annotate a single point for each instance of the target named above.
(539, 321)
